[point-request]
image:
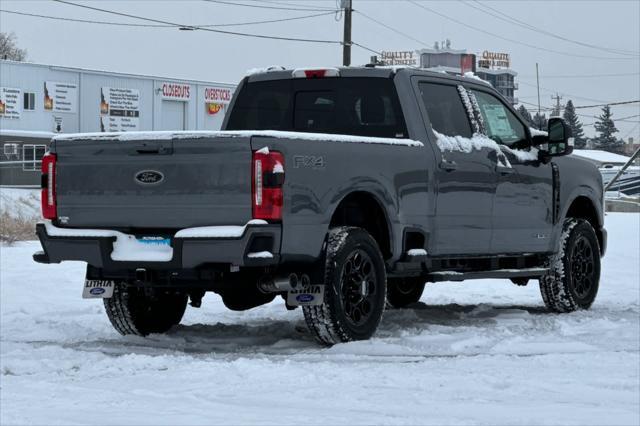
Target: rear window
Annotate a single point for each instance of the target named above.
(351, 106)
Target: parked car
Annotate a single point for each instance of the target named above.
(339, 189)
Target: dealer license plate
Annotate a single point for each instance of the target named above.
(159, 241)
(98, 289)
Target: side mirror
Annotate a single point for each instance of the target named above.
(560, 138)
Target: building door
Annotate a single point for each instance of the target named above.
(173, 116)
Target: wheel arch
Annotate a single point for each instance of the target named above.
(584, 207)
(363, 209)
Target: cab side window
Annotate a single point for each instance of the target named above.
(500, 123)
(445, 109)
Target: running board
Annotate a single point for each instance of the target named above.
(498, 273)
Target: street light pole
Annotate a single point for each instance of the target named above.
(346, 41)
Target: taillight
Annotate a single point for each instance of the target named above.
(48, 183)
(315, 72)
(268, 179)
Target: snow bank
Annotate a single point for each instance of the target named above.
(490, 348)
(168, 135)
(20, 202)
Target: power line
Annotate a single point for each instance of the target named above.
(270, 7)
(584, 75)
(364, 15)
(192, 27)
(514, 21)
(607, 104)
(291, 4)
(126, 24)
(428, 9)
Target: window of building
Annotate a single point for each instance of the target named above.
(445, 109)
(501, 124)
(32, 157)
(29, 101)
(11, 150)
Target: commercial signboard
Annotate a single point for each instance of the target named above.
(119, 109)
(399, 58)
(10, 106)
(215, 98)
(494, 60)
(175, 91)
(60, 97)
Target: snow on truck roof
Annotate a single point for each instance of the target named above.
(202, 134)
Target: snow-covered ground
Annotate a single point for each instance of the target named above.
(481, 352)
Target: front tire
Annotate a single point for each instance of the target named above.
(573, 280)
(355, 289)
(133, 311)
(402, 292)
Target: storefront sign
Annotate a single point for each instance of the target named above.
(60, 97)
(175, 91)
(10, 106)
(119, 109)
(215, 99)
(219, 95)
(494, 60)
(399, 58)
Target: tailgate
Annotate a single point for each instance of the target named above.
(177, 183)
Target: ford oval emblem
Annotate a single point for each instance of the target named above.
(97, 291)
(149, 177)
(304, 298)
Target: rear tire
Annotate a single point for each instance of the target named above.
(132, 311)
(355, 289)
(402, 292)
(573, 280)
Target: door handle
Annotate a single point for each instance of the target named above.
(448, 166)
(505, 170)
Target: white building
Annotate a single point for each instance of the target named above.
(39, 100)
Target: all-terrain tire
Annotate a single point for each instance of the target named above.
(355, 288)
(574, 276)
(402, 292)
(132, 311)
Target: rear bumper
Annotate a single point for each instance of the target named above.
(187, 253)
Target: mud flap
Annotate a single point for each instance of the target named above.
(98, 289)
(312, 295)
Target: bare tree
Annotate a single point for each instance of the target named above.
(9, 48)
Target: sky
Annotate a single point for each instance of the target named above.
(588, 75)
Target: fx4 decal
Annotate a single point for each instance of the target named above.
(308, 161)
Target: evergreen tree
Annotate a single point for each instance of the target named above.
(574, 123)
(606, 129)
(540, 121)
(526, 116)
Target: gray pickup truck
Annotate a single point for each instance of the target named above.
(343, 190)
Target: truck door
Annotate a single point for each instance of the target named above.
(523, 204)
(465, 179)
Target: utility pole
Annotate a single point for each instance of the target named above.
(346, 40)
(538, 84)
(557, 97)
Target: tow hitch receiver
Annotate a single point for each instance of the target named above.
(98, 289)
